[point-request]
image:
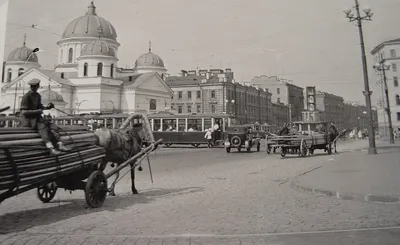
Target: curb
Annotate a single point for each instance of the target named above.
(344, 196)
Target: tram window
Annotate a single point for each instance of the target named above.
(157, 125)
(207, 123)
(181, 125)
(169, 125)
(194, 125)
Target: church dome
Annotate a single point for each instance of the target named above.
(22, 54)
(97, 47)
(149, 60)
(49, 95)
(90, 25)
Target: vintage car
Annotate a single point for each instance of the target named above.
(241, 137)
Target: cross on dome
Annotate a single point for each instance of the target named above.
(149, 46)
(24, 40)
(92, 9)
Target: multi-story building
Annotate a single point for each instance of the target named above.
(283, 91)
(390, 52)
(215, 91)
(280, 115)
(330, 107)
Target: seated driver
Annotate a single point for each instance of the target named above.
(31, 116)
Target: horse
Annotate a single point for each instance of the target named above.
(122, 144)
(333, 134)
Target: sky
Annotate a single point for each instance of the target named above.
(309, 42)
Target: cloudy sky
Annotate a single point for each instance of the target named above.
(307, 41)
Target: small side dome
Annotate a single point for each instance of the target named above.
(22, 54)
(49, 95)
(97, 47)
(149, 60)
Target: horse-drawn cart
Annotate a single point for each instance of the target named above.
(299, 144)
(26, 164)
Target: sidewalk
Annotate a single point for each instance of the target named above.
(356, 175)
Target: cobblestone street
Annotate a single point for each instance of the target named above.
(198, 194)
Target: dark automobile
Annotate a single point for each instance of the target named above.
(241, 137)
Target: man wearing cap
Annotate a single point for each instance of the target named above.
(31, 116)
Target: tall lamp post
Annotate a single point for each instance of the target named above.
(78, 104)
(367, 93)
(383, 66)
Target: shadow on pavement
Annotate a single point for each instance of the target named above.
(21, 221)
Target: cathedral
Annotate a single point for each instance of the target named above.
(87, 78)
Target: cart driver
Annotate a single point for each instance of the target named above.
(333, 126)
(31, 116)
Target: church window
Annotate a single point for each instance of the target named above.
(62, 75)
(61, 56)
(212, 94)
(112, 70)
(70, 54)
(397, 99)
(99, 69)
(20, 71)
(85, 69)
(395, 81)
(153, 104)
(9, 74)
(130, 78)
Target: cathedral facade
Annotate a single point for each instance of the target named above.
(87, 78)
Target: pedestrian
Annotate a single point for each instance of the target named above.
(31, 116)
(208, 136)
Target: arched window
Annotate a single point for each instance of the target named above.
(21, 71)
(112, 70)
(212, 94)
(9, 74)
(70, 54)
(397, 99)
(85, 69)
(99, 69)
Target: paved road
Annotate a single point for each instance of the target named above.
(201, 193)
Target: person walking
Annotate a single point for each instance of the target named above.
(208, 136)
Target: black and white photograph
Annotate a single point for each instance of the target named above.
(199, 122)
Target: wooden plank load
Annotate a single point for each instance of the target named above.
(25, 162)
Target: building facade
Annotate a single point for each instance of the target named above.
(390, 50)
(283, 91)
(330, 107)
(87, 77)
(215, 91)
(280, 116)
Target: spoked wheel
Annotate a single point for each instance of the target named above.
(258, 147)
(46, 192)
(96, 189)
(303, 148)
(311, 151)
(283, 152)
(228, 149)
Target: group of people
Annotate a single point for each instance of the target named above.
(290, 129)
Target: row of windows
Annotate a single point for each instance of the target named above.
(189, 108)
(99, 69)
(9, 73)
(198, 94)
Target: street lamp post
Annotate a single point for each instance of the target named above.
(382, 66)
(367, 92)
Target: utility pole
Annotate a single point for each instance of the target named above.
(367, 93)
(382, 67)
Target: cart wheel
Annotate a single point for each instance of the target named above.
(268, 150)
(311, 151)
(46, 192)
(258, 147)
(283, 152)
(329, 149)
(228, 149)
(96, 189)
(303, 148)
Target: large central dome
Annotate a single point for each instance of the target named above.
(90, 25)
